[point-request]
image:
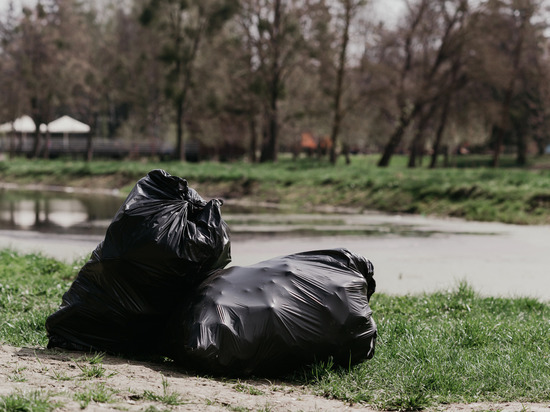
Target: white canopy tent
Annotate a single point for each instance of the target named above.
(23, 124)
(67, 125)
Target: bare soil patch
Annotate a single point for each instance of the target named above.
(59, 373)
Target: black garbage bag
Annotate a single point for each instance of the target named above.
(274, 316)
(158, 247)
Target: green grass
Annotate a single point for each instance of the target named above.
(470, 189)
(36, 401)
(448, 347)
(434, 349)
(167, 397)
(31, 287)
(94, 367)
(245, 388)
(98, 393)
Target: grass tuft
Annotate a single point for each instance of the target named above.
(94, 369)
(167, 397)
(36, 401)
(98, 393)
(249, 389)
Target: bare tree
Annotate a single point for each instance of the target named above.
(506, 74)
(350, 9)
(449, 26)
(184, 26)
(45, 54)
(426, 51)
(12, 97)
(519, 18)
(407, 108)
(273, 32)
(37, 51)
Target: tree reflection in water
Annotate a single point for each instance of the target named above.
(56, 212)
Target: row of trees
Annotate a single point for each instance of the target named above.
(249, 76)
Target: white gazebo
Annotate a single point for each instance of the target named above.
(67, 125)
(23, 124)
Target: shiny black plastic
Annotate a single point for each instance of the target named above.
(157, 249)
(276, 315)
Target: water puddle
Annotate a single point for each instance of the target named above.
(90, 214)
(52, 212)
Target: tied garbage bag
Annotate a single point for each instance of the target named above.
(159, 245)
(273, 316)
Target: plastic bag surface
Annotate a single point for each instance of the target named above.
(158, 247)
(273, 316)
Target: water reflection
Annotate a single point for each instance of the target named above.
(85, 214)
(56, 212)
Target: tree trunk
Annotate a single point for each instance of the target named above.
(395, 139)
(89, 148)
(339, 85)
(440, 130)
(37, 143)
(180, 148)
(442, 123)
(509, 94)
(270, 144)
(418, 140)
(504, 121)
(392, 144)
(269, 147)
(521, 156)
(334, 133)
(415, 149)
(12, 144)
(47, 145)
(446, 160)
(345, 150)
(253, 139)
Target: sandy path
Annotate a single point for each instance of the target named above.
(23, 370)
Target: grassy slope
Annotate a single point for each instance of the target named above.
(432, 349)
(477, 193)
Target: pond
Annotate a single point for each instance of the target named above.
(90, 214)
(57, 212)
(411, 254)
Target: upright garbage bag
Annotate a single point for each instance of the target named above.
(273, 316)
(158, 247)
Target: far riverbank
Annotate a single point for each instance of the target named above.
(511, 195)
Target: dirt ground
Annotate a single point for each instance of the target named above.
(60, 373)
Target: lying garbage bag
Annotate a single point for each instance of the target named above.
(159, 245)
(273, 316)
